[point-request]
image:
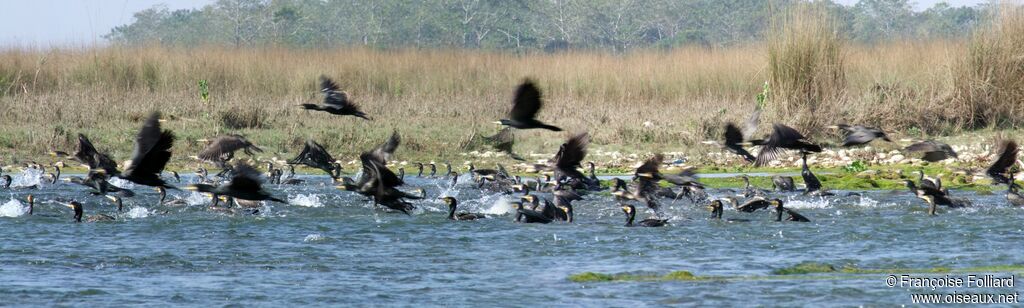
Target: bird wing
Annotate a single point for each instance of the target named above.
(326, 84)
(87, 154)
(152, 148)
(1007, 157)
(753, 205)
(858, 136)
(223, 145)
(651, 164)
(733, 135)
(527, 102)
(574, 152)
(302, 154)
(245, 178)
(384, 151)
(502, 141)
(923, 146)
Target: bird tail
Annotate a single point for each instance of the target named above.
(551, 127)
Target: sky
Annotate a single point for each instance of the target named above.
(43, 23)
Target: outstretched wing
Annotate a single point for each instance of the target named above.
(152, 148)
(999, 171)
(574, 152)
(527, 102)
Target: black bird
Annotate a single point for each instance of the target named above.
(77, 208)
(379, 182)
(734, 142)
(812, 182)
(858, 135)
(117, 201)
(96, 160)
(1000, 169)
(568, 160)
(750, 191)
(151, 154)
(245, 184)
(525, 106)
(452, 204)
(31, 203)
(783, 183)
(631, 216)
(314, 155)
(163, 198)
(335, 101)
(503, 142)
(222, 149)
(651, 171)
(783, 138)
(933, 150)
(98, 182)
(529, 216)
(716, 208)
(1013, 194)
(754, 204)
(932, 192)
(791, 214)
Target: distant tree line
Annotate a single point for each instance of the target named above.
(521, 25)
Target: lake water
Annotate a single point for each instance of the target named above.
(332, 248)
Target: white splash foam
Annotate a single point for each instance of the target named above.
(13, 208)
(195, 198)
(138, 212)
(310, 200)
(500, 207)
(122, 183)
(27, 178)
(315, 237)
(813, 203)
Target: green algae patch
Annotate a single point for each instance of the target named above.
(805, 268)
(600, 277)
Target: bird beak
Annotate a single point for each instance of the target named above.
(745, 143)
(203, 140)
(191, 188)
(52, 153)
(112, 198)
(68, 205)
(833, 126)
(645, 175)
(710, 142)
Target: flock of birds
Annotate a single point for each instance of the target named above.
(239, 187)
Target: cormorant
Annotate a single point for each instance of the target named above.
(812, 182)
(858, 135)
(792, 215)
(716, 208)
(335, 101)
(525, 106)
(529, 216)
(246, 184)
(783, 183)
(734, 142)
(222, 149)
(117, 201)
(1000, 169)
(452, 204)
(782, 138)
(314, 155)
(933, 150)
(77, 208)
(631, 216)
(151, 154)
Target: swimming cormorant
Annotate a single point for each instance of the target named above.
(630, 212)
(452, 204)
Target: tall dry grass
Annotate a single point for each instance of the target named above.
(636, 102)
(988, 83)
(806, 67)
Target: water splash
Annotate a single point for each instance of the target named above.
(195, 198)
(811, 203)
(28, 177)
(13, 208)
(122, 183)
(310, 200)
(499, 207)
(138, 212)
(315, 237)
